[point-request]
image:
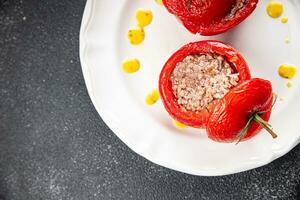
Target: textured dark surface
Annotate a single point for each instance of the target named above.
(54, 146)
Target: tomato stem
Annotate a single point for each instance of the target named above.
(244, 130)
(265, 125)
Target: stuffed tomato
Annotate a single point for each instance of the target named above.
(196, 77)
(210, 17)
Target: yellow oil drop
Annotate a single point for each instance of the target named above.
(284, 20)
(178, 124)
(152, 97)
(136, 36)
(275, 9)
(287, 71)
(287, 40)
(289, 84)
(143, 17)
(159, 2)
(131, 66)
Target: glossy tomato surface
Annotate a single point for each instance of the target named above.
(197, 119)
(231, 114)
(209, 17)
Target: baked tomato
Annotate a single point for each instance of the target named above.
(202, 10)
(242, 113)
(210, 17)
(214, 52)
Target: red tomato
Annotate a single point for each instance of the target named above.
(240, 108)
(208, 17)
(197, 119)
(203, 10)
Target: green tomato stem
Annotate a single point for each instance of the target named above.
(256, 117)
(265, 125)
(243, 133)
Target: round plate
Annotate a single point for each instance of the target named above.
(119, 97)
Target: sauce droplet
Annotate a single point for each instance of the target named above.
(152, 97)
(289, 84)
(275, 9)
(136, 36)
(159, 2)
(284, 20)
(178, 124)
(287, 40)
(143, 17)
(287, 71)
(131, 66)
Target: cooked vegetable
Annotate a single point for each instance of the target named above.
(199, 117)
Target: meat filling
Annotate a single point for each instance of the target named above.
(240, 4)
(200, 79)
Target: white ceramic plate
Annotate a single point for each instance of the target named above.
(119, 98)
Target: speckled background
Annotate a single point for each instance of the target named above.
(53, 145)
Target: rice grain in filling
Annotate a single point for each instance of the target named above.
(200, 79)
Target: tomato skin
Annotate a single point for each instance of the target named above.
(230, 116)
(199, 10)
(206, 23)
(197, 119)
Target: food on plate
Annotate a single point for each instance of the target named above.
(207, 84)
(136, 35)
(287, 71)
(287, 40)
(200, 79)
(289, 84)
(159, 2)
(243, 112)
(284, 20)
(152, 97)
(275, 9)
(179, 125)
(210, 17)
(131, 65)
(196, 77)
(143, 17)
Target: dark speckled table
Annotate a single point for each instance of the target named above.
(53, 145)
